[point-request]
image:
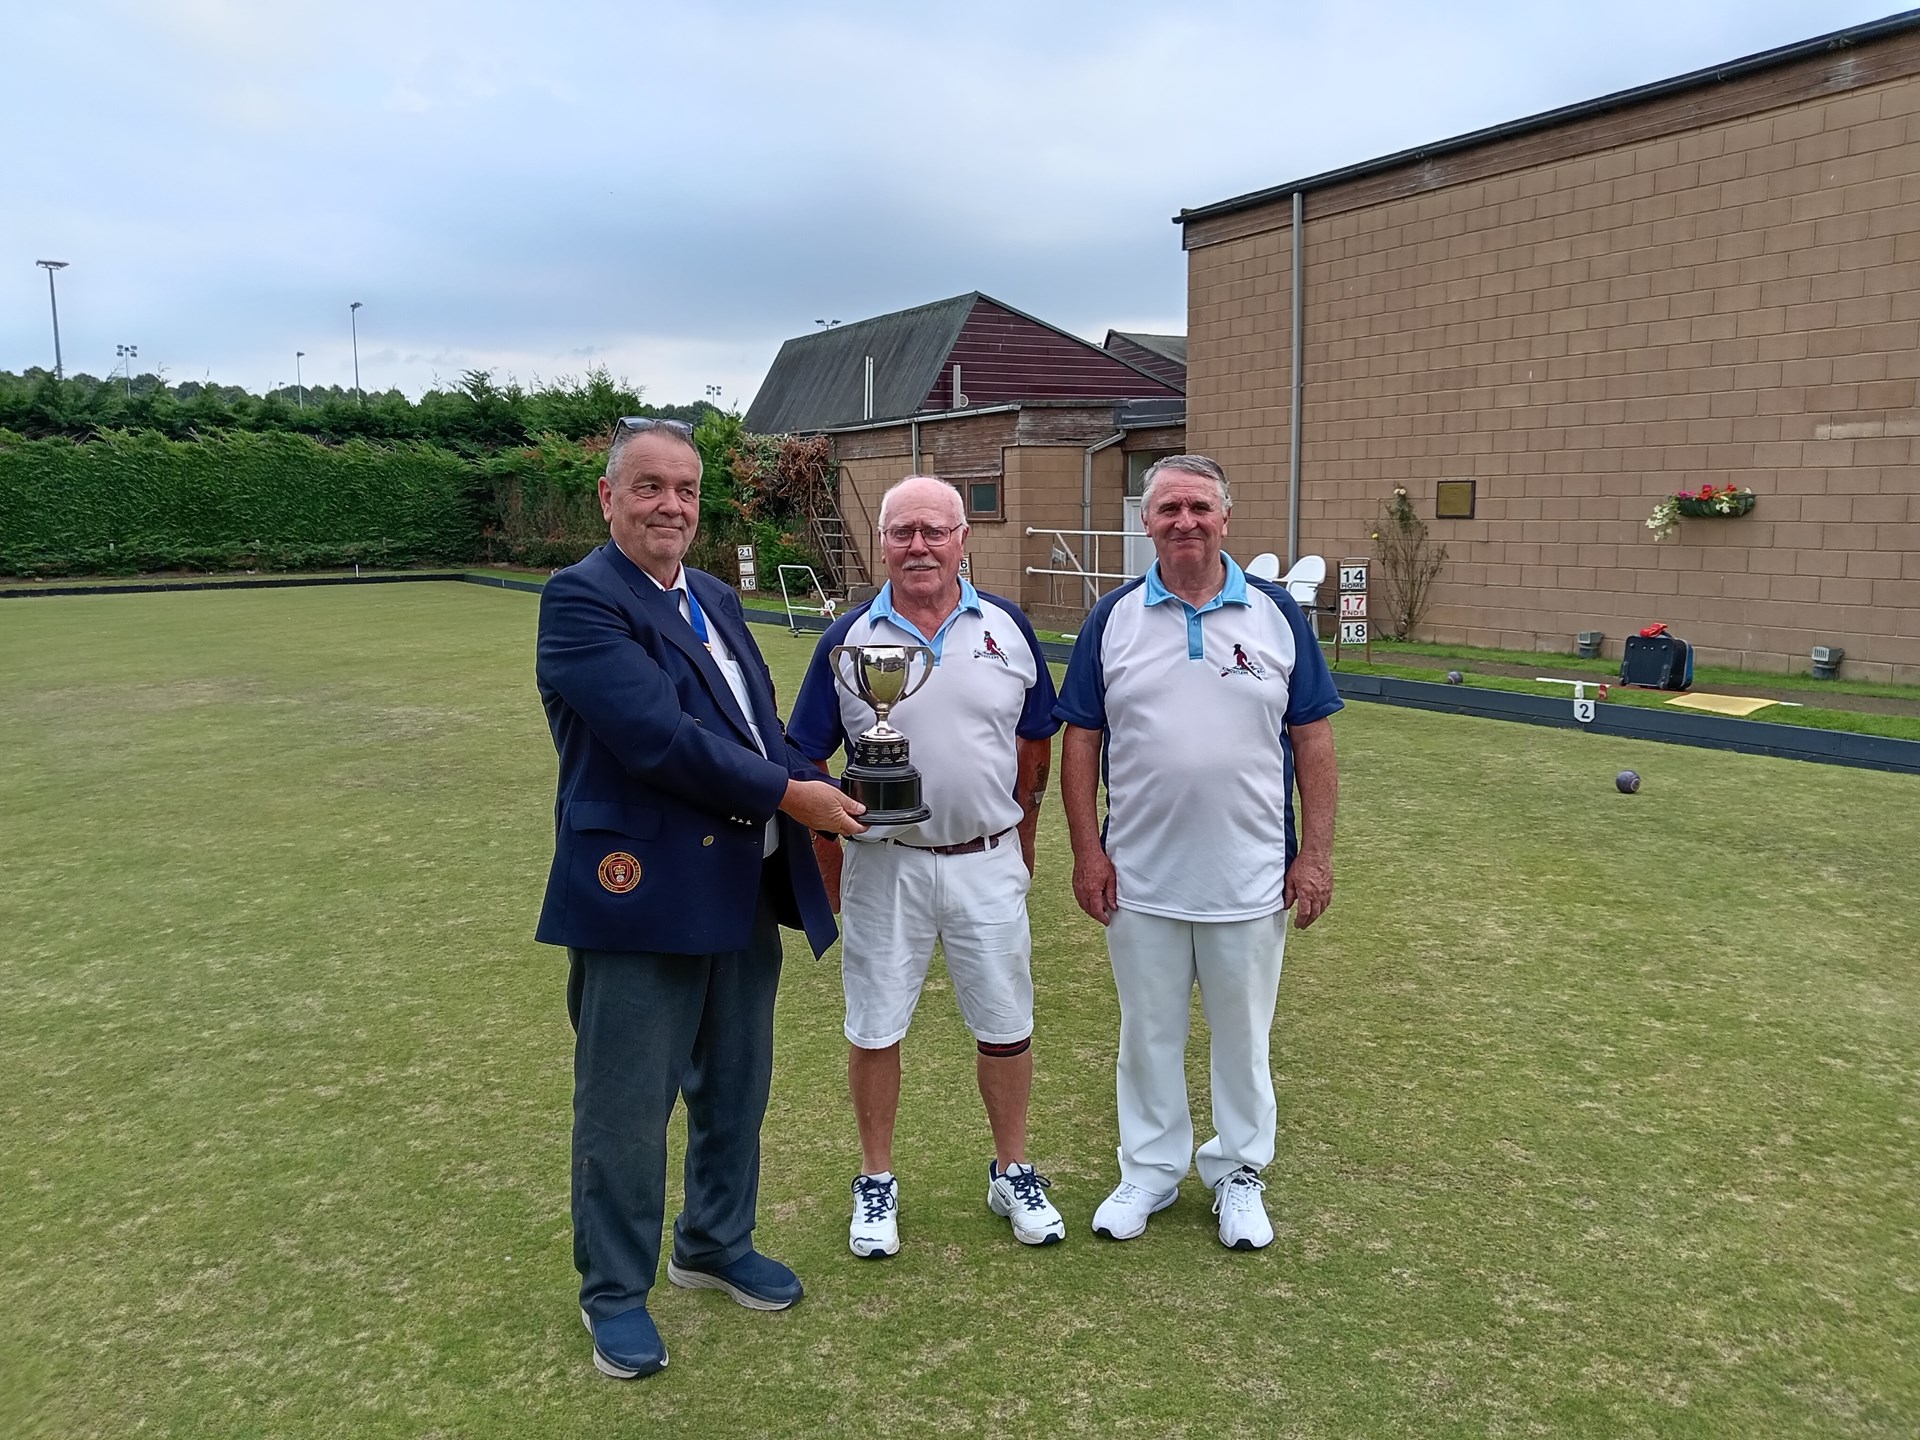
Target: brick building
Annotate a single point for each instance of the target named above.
(1712, 279)
(1036, 427)
(1057, 466)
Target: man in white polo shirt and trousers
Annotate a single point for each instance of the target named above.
(981, 736)
(1206, 695)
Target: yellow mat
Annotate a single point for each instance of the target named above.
(1721, 704)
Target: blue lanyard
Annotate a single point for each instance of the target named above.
(698, 620)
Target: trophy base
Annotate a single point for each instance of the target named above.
(891, 793)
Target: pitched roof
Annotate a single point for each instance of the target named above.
(1168, 347)
(1007, 355)
(817, 380)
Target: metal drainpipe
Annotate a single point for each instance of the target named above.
(1293, 439)
(1086, 508)
(915, 427)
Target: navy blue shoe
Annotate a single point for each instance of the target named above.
(753, 1280)
(626, 1346)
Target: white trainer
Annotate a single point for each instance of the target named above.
(1243, 1214)
(1123, 1214)
(1020, 1193)
(875, 1232)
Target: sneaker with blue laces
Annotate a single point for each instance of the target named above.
(1020, 1194)
(875, 1232)
(756, 1281)
(626, 1346)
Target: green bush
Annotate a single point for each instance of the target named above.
(129, 502)
(542, 506)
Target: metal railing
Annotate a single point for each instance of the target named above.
(1090, 574)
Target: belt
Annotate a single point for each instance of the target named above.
(965, 847)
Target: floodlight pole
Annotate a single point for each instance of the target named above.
(354, 320)
(299, 388)
(128, 353)
(59, 370)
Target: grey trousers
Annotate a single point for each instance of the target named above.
(650, 1028)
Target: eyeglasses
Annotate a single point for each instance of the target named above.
(647, 422)
(932, 534)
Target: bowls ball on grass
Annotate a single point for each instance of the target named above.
(1454, 677)
(1627, 782)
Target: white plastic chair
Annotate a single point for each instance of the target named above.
(1264, 566)
(1303, 580)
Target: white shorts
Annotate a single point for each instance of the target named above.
(895, 901)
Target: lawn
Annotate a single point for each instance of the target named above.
(1600, 1114)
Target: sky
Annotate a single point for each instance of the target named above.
(670, 191)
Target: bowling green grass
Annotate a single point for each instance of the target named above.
(1600, 1115)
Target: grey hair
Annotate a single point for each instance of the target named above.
(959, 507)
(625, 434)
(1202, 466)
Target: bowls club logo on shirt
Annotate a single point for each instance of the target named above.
(992, 650)
(1243, 665)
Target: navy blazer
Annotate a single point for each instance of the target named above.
(663, 799)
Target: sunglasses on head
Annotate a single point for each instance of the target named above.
(647, 422)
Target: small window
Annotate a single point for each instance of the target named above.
(1138, 463)
(983, 499)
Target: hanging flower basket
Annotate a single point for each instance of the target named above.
(1715, 502)
(1706, 503)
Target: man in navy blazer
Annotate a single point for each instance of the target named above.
(681, 844)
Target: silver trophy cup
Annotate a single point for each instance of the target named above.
(880, 775)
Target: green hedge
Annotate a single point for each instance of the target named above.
(136, 501)
(542, 503)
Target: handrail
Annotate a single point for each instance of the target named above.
(1078, 574)
(1062, 550)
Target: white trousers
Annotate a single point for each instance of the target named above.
(1156, 963)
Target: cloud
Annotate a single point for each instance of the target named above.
(677, 188)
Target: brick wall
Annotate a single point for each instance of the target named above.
(1038, 452)
(1713, 287)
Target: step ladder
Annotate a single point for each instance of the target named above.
(846, 566)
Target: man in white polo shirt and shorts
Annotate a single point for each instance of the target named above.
(980, 732)
(1205, 695)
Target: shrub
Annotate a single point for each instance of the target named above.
(1408, 562)
(130, 502)
(542, 505)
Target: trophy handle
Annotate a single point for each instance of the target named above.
(926, 672)
(840, 674)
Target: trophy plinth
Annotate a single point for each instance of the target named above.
(881, 777)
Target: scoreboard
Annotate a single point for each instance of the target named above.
(1354, 628)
